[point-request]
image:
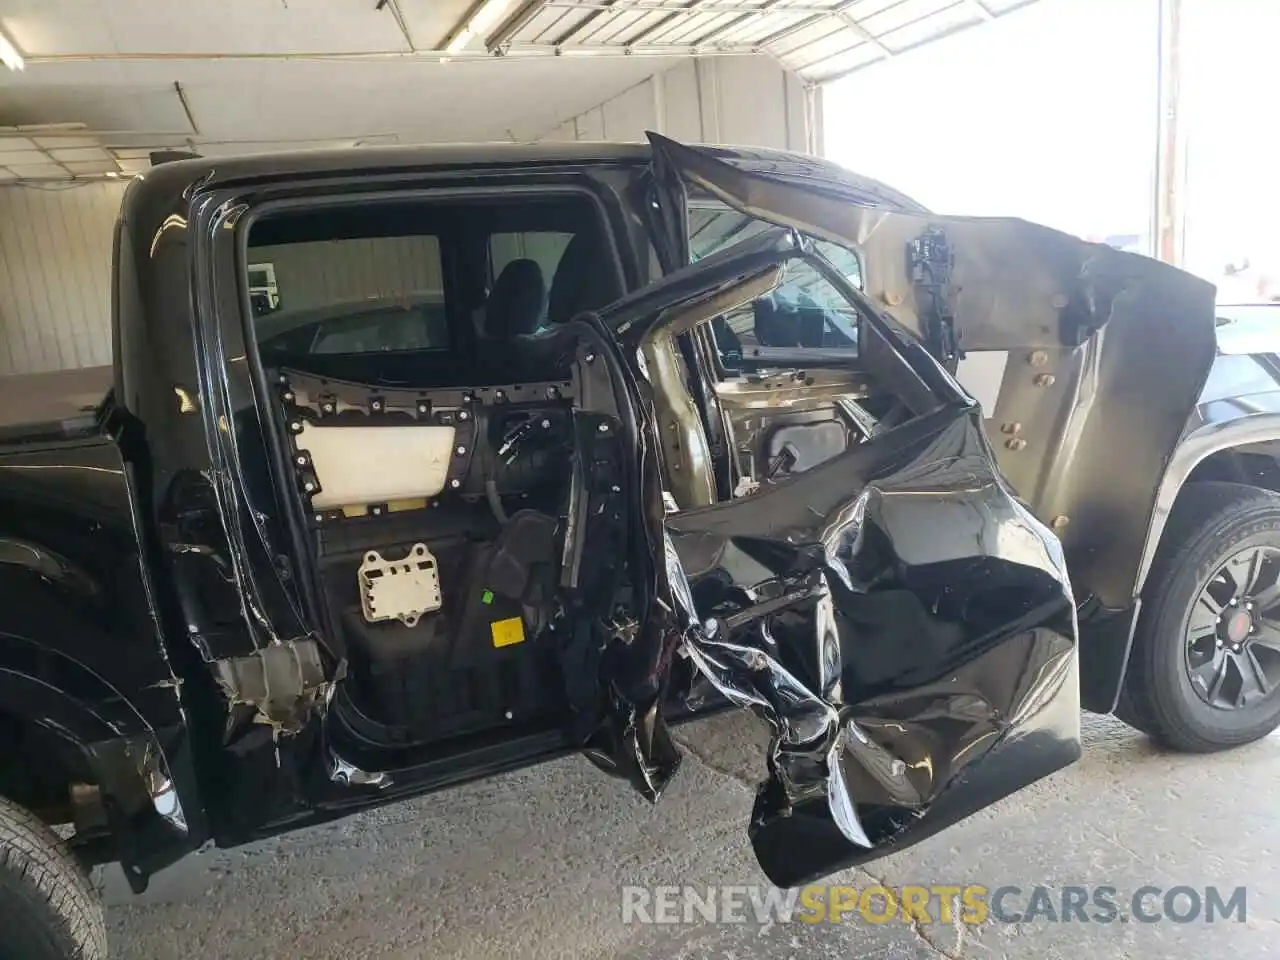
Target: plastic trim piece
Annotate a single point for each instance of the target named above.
(402, 589)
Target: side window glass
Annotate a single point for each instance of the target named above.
(421, 326)
(804, 311)
(291, 277)
(350, 297)
(843, 259)
(713, 226)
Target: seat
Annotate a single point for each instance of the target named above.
(781, 323)
(515, 305)
(775, 325)
(584, 280)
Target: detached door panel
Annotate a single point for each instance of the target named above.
(887, 605)
(898, 617)
(906, 628)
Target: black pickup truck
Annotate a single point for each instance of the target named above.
(509, 452)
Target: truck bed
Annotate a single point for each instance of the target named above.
(51, 405)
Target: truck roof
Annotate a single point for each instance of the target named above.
(167, 177)
(167, 181)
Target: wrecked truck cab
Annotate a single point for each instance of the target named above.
(421, 465)
(519, 534)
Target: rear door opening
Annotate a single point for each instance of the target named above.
(433, 451)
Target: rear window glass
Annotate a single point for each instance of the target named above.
(339, 296)
(344, 290)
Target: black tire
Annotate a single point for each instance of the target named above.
(48, 908)
(1210, 522)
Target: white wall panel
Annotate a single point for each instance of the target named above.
(745, 100)
(567, 131)
(681, 107)
(590, 125)
(629, 111)
(55, 276)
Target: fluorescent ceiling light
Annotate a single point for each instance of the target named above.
(482, 17)
(9, 54)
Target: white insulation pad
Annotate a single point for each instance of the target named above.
(362, 465)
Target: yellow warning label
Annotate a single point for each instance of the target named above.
(507, 632)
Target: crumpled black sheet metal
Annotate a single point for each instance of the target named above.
(635, 743)
(905, 626)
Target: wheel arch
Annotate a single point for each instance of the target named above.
(1243, 450)
(49, 701)
(100, 739)
(40, 759)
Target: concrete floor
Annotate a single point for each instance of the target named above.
(531, 865)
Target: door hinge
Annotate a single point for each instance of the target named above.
(932, 260)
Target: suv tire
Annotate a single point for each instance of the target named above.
(48, 908)
(1210, 524)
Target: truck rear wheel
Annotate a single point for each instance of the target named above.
(48, 908)
(1204, 673)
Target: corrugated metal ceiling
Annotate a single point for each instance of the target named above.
(818, 39)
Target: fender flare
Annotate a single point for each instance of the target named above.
(19, 555)
(1194, 448)
(44, 686)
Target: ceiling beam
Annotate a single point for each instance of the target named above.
(660, 6)
(856, 28)
(516, 21)
(394, 7)
(504, 40)
(514, 51)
